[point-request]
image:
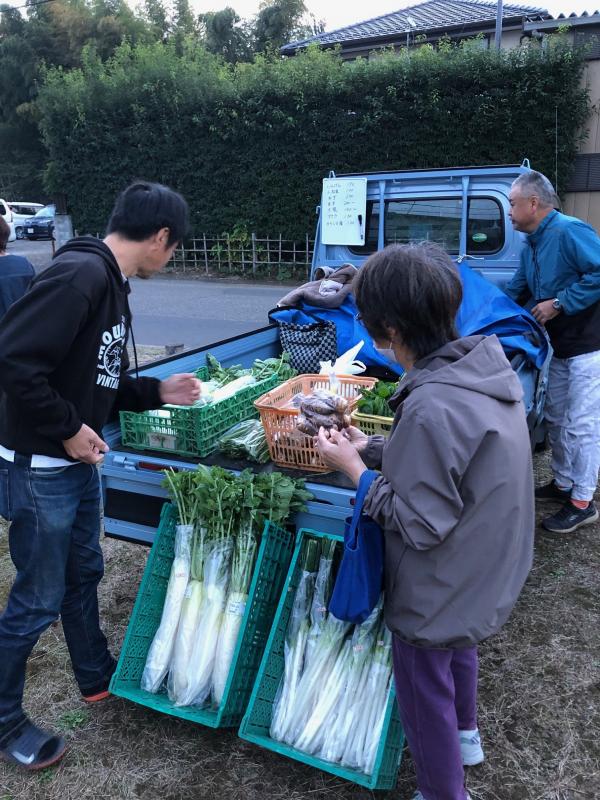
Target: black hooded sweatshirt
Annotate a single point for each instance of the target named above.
(62, 353)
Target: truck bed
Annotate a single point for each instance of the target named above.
(131, 479)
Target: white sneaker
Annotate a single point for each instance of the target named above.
(470, 748)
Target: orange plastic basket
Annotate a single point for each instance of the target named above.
(289, 447)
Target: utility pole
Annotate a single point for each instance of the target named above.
(498, 37)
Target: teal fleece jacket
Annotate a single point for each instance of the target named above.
(562, 259)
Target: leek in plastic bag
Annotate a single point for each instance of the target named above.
(246, 440)
(216, 580)
(295, 643)
(376, 686)
(321, 597)
(244, 554)
(161, 649)
(231, 389)
(323, 660)
(331, 693)
(188, 621)
(351, 706)
(378, 717)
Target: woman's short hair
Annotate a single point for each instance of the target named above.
(145, 208)
(4, 233)
(413, 288)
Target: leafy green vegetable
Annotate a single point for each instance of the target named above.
(262, 368)
(218, 501)
(246, 440)
(376, 401)
(274, 366)
(223, 375)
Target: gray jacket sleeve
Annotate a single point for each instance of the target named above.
(373, 452)
(418, 495)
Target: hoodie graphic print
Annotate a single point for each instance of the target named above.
(109, 355)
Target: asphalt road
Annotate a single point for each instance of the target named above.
(173, 311)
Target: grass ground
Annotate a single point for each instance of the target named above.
(539, 705)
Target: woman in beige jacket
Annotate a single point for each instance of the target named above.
(455, 499)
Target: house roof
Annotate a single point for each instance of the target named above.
(430, 15)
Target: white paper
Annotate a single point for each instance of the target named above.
(344, 211)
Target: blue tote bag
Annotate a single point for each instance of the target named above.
(360, 577)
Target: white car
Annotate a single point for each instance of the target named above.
(21, 211)
(6, 213)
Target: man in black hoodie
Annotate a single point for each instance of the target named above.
(63, 364)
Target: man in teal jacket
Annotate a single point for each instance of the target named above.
(559, 275)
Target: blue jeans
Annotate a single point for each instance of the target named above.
(54, 540)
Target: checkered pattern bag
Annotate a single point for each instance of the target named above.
(308, 345)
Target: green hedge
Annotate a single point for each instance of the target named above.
(250, 144)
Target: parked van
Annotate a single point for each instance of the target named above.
(7, 215)
(21, 211)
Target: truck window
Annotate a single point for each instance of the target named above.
(424, 220)
(436, 220)
(485, 226)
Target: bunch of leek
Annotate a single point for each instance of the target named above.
(182, 487)
(224, 516)
(334, 691)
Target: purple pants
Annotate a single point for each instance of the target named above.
(437, 697)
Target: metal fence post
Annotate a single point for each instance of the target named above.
(254, 254)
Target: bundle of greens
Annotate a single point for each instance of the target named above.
(274, 366)
(246, 440)
(375, 402)
(334, 691)
(224, 516)
(225, 382)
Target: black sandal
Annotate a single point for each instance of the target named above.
(30, 747)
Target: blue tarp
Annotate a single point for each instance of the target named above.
(485, 309)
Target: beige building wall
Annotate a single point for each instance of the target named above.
(510, 39)
(591, 80)
(585, 206)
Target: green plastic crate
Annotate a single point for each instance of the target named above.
(191, 431)
(257, 720)
(269, 574)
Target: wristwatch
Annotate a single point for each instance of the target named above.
(556, 304)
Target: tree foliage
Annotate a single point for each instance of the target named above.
(55, 35)
(249, 144)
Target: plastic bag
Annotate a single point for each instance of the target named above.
(217, 572)
(294, 653)
(161, 649)
(346, 364)
(246, 440)
(351, 706)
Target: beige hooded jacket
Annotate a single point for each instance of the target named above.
(456, 496)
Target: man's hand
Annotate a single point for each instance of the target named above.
(356, 437)
(181, 390)
(86, 446)
(545, 311)
(338, 453)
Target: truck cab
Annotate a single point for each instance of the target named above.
(464, 210)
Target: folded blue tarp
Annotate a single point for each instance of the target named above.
(485, 309)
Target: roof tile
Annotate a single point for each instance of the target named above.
(430, 15)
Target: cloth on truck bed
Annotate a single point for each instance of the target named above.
(485, 309)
